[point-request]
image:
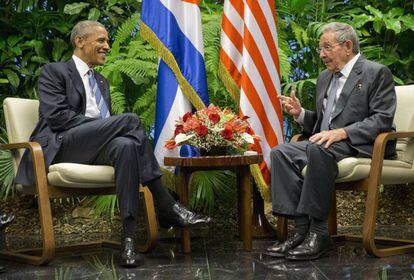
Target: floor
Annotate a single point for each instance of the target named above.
(215, 258)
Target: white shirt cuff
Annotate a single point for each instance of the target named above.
(301, 117)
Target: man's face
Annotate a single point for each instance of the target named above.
(93, 47)
(333, 53)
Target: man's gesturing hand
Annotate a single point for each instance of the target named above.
(329, 136)
(291, 104)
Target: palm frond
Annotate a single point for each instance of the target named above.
(102, 205)
(118, 101)
(128, 29)
(207, 187)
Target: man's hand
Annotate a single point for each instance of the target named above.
(329, 136)
(291, 104)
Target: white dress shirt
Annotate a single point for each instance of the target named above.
(92, 110)
(345, 74)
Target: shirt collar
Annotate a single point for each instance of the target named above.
(81, 66)
(348, 67)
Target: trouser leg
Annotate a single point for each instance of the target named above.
(83, 143)
(294, 195)
(119, 141)
(319, 181)
(287, 162)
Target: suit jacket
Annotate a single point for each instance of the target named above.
(364, 109)
(62, 106)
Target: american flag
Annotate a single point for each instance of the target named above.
(249, 67)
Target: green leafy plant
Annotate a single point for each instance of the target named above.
(209, 187)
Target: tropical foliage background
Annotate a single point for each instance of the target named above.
(35, 32)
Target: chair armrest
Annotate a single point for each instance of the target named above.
(297, 138)
(379, 151)
(36, 152)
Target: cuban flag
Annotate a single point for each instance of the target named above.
(173, 28)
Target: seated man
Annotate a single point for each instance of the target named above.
(76, 125)
(355, 101)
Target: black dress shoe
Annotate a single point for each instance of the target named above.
(279, 249)
(5, 220)
(314, 246)
(129, 258)
(180, 216)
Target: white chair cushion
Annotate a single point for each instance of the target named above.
(352, 169)
(76, 175)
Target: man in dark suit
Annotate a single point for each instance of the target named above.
(355, 101)
(76, 125)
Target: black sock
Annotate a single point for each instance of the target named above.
(162, 196)
(128, 227)
(302, 224)
(319, 226)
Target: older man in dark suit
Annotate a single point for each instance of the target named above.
(76, 125)
(355, 101)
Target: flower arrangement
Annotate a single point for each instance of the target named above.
(213, 127)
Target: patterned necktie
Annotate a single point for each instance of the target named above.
(103, 109)
(330, 102)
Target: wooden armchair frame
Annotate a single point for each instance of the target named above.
(371, 185)
(45, 191)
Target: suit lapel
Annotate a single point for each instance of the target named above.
(77, 82)
(324, 84)
(351, 82)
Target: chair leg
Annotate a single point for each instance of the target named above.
(368, 233)
(151, 221)
(48, 237)
(332, 218)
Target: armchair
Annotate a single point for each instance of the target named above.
(367, 174)
(61, 180)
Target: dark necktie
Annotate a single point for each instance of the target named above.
(330, 102)
(103, 109)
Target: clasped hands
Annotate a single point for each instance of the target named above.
(293, 107)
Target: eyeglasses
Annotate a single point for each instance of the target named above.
(328, 48)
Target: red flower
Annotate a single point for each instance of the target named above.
(170, 144)
(187, 115)
(227, 134)
(201, 131)
(178, 129)
(214, 117)
(191, 124)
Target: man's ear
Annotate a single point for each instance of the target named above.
(349, 45)
(80, 42)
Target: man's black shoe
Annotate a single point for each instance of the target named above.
(129, 258)
(5, 220)
(311, 248)
(180, 216)
(279, 249)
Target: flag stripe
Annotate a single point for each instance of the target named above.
(236, 38)
(173, 27)
(231, 68)
(263, 73)
(259, 17)
(177, 43)
(236, 5)
(258, 78)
